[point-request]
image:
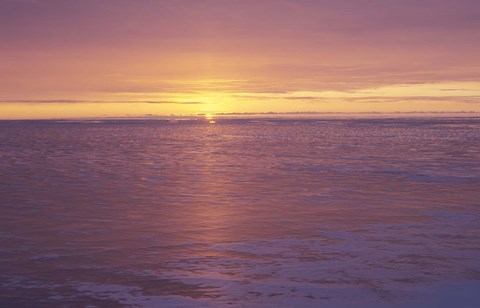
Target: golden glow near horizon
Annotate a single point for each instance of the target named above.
(446, 97)
(235, 57)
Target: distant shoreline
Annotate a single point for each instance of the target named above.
(267, 115)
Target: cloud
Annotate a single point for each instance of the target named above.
(370, 99)
(399, 99)
(172, 102)
(76, 101)
(44, 101)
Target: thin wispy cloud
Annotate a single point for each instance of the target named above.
(75, 101)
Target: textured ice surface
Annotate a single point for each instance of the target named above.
(244, 213)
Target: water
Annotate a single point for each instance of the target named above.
(241, 213)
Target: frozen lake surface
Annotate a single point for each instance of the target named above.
(241, 213)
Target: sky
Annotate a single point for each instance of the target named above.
(116, 58)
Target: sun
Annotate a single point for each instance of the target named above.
(209, 118)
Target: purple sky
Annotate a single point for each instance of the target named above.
(221, 52)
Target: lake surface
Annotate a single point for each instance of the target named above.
(241, 213)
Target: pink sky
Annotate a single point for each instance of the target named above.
(65, 58)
